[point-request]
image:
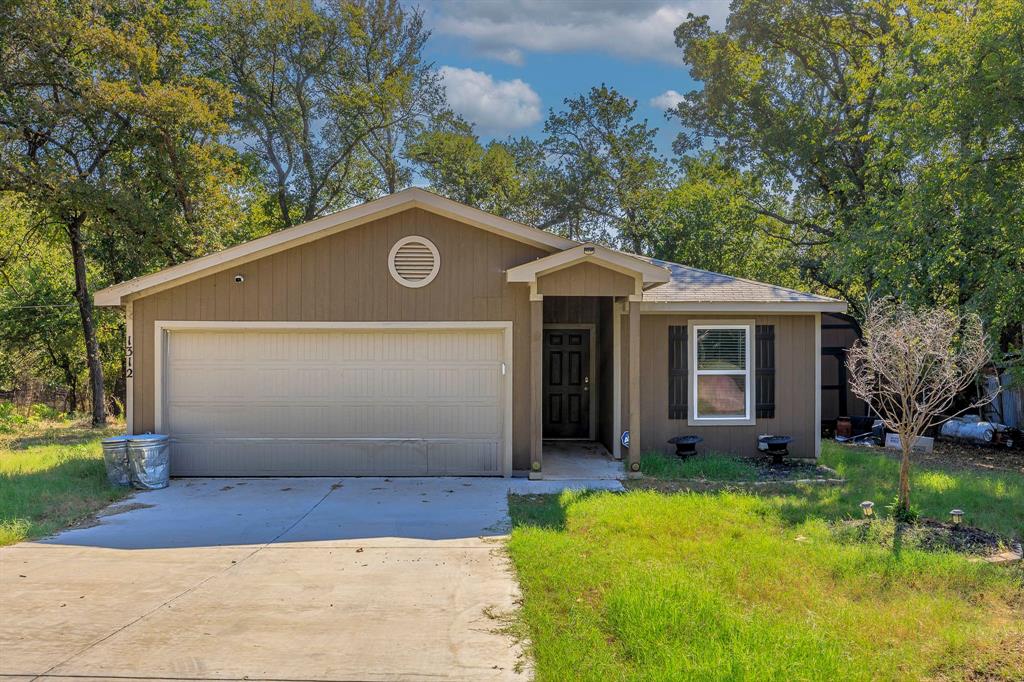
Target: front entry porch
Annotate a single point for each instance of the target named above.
(581, 375)
(566, 460)
(580, 299)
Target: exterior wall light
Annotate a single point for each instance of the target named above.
(239, 278)
(588, 250)
(956, 516)
(535, 466)
(868, 507)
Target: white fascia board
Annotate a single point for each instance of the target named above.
(605, 257)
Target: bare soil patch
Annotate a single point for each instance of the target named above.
(956, 455)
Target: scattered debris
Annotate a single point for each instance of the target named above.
(959, 455)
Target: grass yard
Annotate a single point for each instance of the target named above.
(51, 476)
(736, 586)
(992, 500)
(712, 466)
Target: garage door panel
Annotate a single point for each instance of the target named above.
(311, 457)
(338, 402)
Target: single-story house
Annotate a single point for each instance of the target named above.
(414, 335)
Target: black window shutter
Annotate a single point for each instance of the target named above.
(677, 370)
(765, 375)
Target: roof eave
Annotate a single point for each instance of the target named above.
(765, 307)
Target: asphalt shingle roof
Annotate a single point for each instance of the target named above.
(692, 285)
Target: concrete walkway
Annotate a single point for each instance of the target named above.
(273, 579)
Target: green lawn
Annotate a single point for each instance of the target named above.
(51, 476)
(712, 466)
(993, 501)
(734, 586)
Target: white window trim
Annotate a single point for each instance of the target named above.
(748, 418)
(414, 284)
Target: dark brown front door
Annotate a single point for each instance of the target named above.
(567, 383)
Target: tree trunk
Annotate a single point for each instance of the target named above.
(92, 346)
(72, 397)
(903, 501)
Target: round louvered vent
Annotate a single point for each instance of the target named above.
(414, 261)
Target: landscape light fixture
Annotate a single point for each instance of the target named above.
(868, 507)
(956, 516)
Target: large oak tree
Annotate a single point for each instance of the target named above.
(105, 130)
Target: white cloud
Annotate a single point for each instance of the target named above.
(666, 100)
(509, 55)
(495, 106)
(641, 29)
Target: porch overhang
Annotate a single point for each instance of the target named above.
(643, 273)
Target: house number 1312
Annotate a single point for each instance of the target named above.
(128, 353)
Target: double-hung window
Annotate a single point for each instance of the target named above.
(721, 372)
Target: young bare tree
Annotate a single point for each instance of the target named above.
(910, 368)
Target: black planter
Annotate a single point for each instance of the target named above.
(776, 446)
(685, 445)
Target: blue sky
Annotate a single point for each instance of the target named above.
(507, 62)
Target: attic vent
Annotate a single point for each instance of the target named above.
(414, 261)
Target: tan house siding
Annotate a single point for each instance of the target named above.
(585, 279)
(345, 277)
(795, 390)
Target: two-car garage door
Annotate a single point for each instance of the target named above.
(335, 402)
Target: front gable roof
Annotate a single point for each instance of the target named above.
(413, 197)
(649, 272)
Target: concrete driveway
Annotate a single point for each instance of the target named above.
(272, 579)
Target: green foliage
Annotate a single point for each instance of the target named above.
(596, 175)
(711, 466)
(903, 513)
(327, 96)
(109, 138)
(10, 417)
(609, 174)
(886, 140)
(43, 412)
(499, 177)
(705, 221)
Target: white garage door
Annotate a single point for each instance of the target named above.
(335, 402)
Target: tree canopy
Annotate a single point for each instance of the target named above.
(886, 140)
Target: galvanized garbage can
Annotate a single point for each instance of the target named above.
(115, 456)
(149, 457)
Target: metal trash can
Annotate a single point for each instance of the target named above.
(115, 457)
(149, 458)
